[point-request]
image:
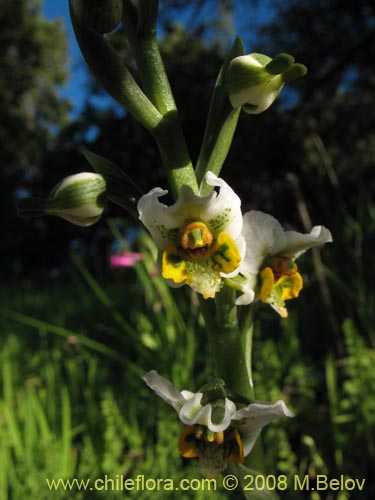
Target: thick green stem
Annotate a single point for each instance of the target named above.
(174, 154)
(113, 75)
(226, 343)
(140, 28)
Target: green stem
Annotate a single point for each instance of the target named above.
(140, 28)
(227, 346)
(113, 75)
(175, 157)
(221, 125)
(216, 147)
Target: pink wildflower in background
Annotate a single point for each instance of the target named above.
(126, 259)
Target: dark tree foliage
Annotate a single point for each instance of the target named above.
(33, 60)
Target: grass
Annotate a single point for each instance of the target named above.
(73, 405)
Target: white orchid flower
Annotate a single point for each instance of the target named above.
(216, 432)
(199, 238)
(269, 271)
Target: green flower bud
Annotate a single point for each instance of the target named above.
(79, 199)
(100, 15)
(254, 81)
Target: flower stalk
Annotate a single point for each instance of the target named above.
(228, 346)
(221, 125)
(174, 154)
(140, 29)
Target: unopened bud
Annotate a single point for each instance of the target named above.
(79, 199)
(100, 15)
(255, 80)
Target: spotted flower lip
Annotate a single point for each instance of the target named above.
(242, 426)
(267, 244)
(199, 237)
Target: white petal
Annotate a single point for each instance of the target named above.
(261, 96)
(190, 409)
(250, 420)
(194, 413)
(248, 293)
(262, 234)
(220, 211)
(157, 217)
(223, 213)
(165, 389)
(265, 237)
(297, 243)
(188, 395)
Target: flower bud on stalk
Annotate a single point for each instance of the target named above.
(255, 80)
(79, 199)
(101, 16)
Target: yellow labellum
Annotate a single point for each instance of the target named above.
(279, 283)
(224, 254)
(291, 286)
(173, 264)
(200, 266)
(268, 281)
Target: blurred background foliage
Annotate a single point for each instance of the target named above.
(76, 335)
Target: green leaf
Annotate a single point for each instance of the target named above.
(121, 189)
(221, 124)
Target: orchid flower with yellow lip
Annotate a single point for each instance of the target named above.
(268, 271)
(215, 431)
(199, 238)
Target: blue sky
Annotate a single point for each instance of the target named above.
(75, 88)
(75, 91)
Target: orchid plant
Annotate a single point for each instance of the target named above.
(230, 260)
